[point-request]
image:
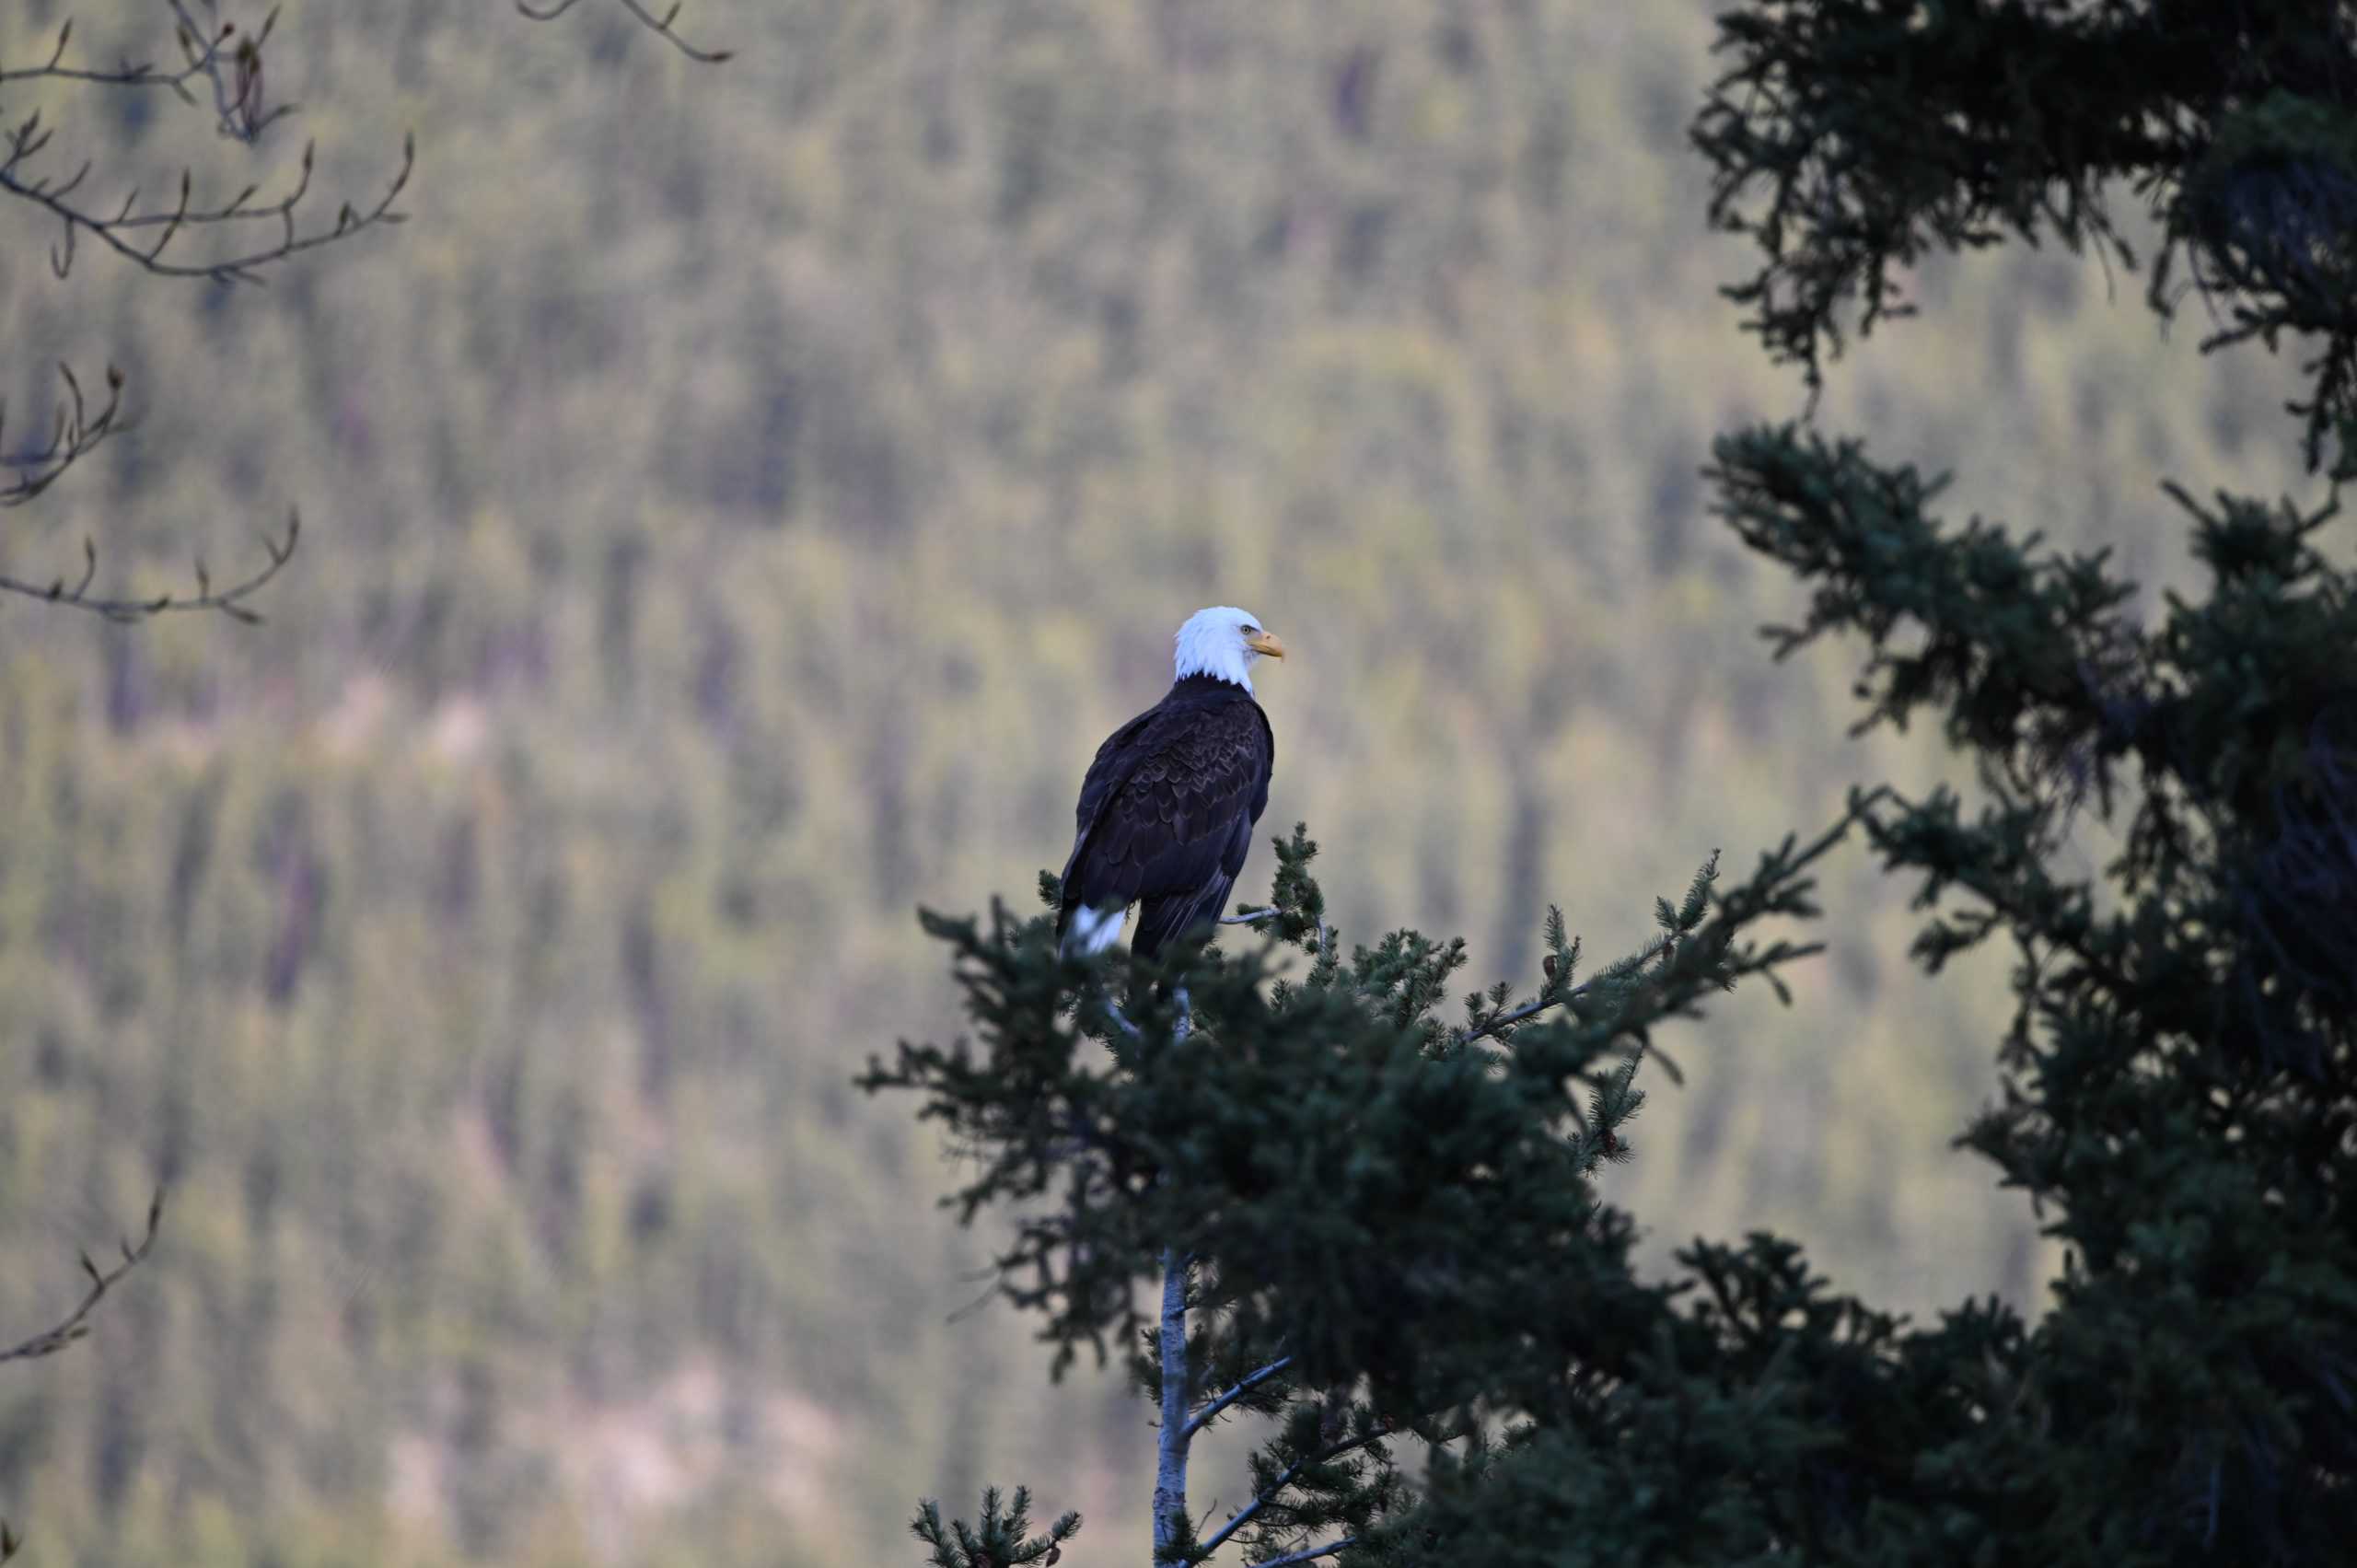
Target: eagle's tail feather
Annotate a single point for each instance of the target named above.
(1092, 930)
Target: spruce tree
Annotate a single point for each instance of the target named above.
(1300, 1186)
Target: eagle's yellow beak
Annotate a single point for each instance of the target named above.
(1265, 643)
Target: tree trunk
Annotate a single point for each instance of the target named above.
(1170, 1468)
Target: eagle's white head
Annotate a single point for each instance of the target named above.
(1221, 642)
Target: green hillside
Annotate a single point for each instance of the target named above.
(735, 505)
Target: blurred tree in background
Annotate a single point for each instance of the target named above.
(216, 248)
(1387, 1228)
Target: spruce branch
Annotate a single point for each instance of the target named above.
(1342, 1105)
(1849, 147)
(1308, 1553)
(1203, 1417)
(1041, 1117)
(1269, 1494)
(1499, 1024)
(1001, 1539)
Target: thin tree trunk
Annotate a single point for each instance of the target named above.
(1170, 1468)
(1170, 1448)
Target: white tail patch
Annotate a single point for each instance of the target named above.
(1094, 930)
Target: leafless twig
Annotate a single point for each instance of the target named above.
(74, 428)
(230, 601)
(78, 1324)
(123, 231)
(233, 63)
(238, 81)
(127, 73)
(660, 26)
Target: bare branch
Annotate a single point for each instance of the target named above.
(230, 601)
(234, 69)
(78, 1324)
(123, 232)
(125, 74)
(74, 428)
(660, 26)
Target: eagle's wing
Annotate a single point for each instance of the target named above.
(1167, 816)
(1106, 772)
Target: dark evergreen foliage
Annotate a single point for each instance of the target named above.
(1003, 1539)
(1397, 1247)
(1882, 130)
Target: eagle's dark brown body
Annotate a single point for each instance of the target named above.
(1168, 809)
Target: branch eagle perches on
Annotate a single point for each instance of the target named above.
(1338, 1101)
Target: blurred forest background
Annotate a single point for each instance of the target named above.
(737, 505)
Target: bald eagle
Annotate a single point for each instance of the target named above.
(1166, 810)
